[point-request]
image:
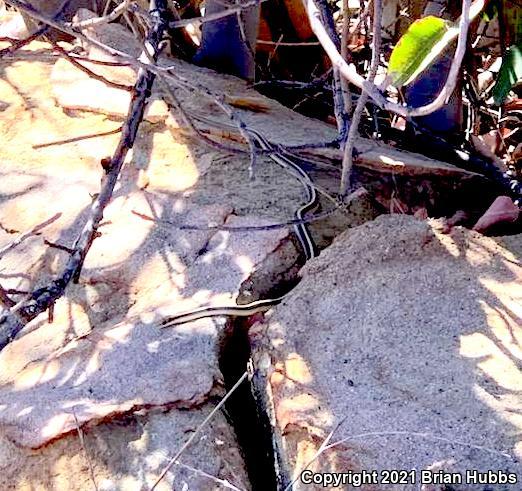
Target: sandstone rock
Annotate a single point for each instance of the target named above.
(103, 358)
(501, 211)
(128, 453)
(410, 339)
(12, 24)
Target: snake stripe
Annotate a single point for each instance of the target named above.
(283, 159)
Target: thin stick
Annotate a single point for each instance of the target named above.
(288, 44)
(89, 72)
(320, 450)
(347, 96)
(215, 16)
(420, 435)
(30, 233)
(42, 299)
(361, 103)
(338, 97)
(222, 482)
(74, 139)
(347, 34)
(82, 443)
(96, 21)
(198, 430)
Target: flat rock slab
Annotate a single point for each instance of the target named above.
(103, 358)
(410, 339)
(128, 454)
(194, 90)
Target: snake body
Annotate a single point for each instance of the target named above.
(283, 159)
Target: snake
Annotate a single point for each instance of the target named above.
(284, 159)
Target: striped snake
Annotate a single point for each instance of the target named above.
(283, 159)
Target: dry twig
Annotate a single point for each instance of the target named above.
(42, 299)
(198, 430)
(363, 99)
(469, 12)
(105, 19)
(84, 447)
(30, 233)
(88, 71)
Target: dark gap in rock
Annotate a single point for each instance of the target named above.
(252, 428)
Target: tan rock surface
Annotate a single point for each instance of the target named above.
(127, 454)
(281, 125)
(410, 338)
(103, 357)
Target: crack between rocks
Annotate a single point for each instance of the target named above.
(251, 411)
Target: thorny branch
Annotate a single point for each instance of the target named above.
(42, 299)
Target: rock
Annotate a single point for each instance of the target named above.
(409, 340)
(103, 359)
(129, 453)
(360, 208)
(501, 211)
(294, 128)
(12, 25)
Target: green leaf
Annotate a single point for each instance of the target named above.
(424, 40)
(509, 75)
(491, 10)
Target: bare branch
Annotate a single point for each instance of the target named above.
(96, 21)
(289, 44)
(350, 73)
(30, 233)
(44, 298)
(235, 10)
(338, 97)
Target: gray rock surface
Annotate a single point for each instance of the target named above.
(128, 453)
(411, 339)
(103, 358)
